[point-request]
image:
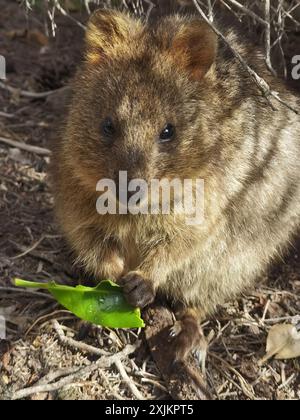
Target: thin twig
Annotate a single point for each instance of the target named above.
(151, 6)
(6, 115)
(27, 94)
(26, 147)
(53, 376)
(128, 381)
(294, 319)
(64, 13)
(35, 245)
(87, 6)
(155, 383)
(210, 10)
(287, 382)
(268, 37)
(262, 321)
(248, 12)
(4, 289)
(78, 345)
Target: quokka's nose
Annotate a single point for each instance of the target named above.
(134, 158)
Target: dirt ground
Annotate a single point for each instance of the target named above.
(46, 345)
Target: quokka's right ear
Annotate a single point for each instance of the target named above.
(191, 43)
(107, 31)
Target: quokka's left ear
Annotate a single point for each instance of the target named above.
(194, 47)
(107, 31)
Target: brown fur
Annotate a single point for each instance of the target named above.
(226, 134)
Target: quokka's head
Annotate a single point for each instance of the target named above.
(141, 98)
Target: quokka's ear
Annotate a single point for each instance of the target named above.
(107, 30)
(194, 48)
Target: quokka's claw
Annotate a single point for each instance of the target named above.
(201, 355)
(176, 329)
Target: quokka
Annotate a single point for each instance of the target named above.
(169, 100)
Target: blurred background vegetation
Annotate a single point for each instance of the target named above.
(272, 24)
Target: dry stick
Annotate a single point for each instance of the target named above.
(135, 7)
(262, 320)
(77, 344)
(51, 15)
(64, 13)
(33, 253)
(155, 383)
(261, 83)
(128, 381)
(53, 376)
(87, 6)
(294, 7)
(280, 32)
(34, 246)
(140, 7)
(229, 7)
(210, 11)
(293, 318)
(26, 94)
(103, 362)
(248, 12)
(125, 4)
(26, 147)
(26, 292)
(6, 115)
(287, 382)
(268, 37)
(151, 6)
(288, 14)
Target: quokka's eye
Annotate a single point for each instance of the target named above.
(167, 134)
(108, 128)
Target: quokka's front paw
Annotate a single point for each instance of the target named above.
(138, 291)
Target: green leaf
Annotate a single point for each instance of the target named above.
(102, 305)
